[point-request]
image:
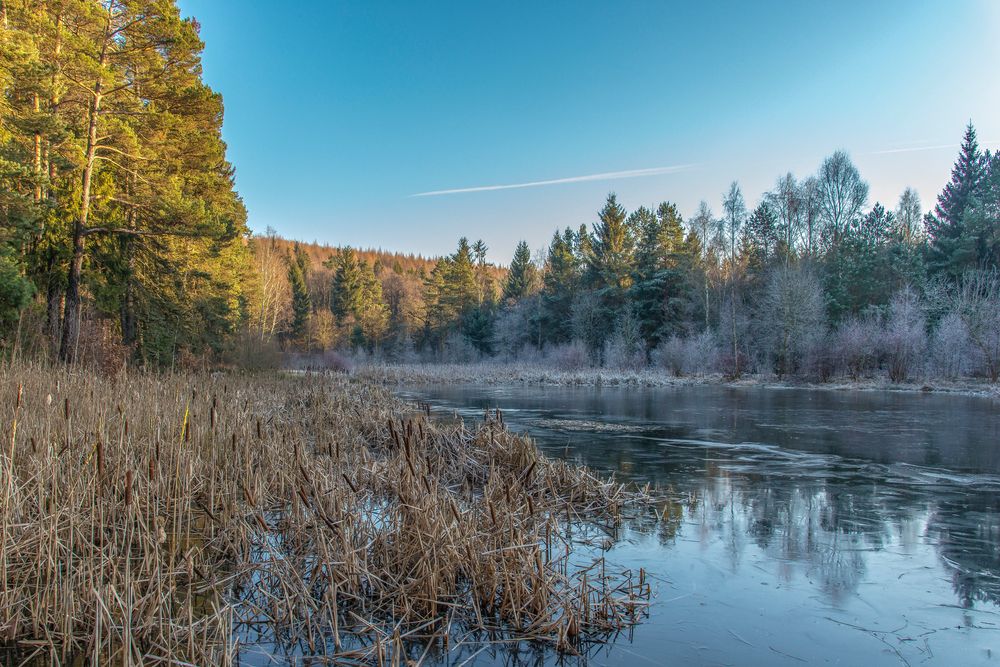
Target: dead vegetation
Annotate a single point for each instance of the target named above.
(186, 518)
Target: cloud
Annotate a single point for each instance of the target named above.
(607, 176)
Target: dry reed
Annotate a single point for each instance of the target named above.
(184, 518)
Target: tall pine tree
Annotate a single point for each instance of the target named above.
(952, 247)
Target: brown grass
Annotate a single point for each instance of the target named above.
(165, 518)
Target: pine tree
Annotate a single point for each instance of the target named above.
(522, 275)
(561, 284)
(611, 248)
(859, 271)
(952, 248)
(660, 291)
(760, 238)
(345, 297)
(982, 218)
(460, 289)
(371, 312)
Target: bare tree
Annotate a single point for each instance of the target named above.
(792, 316)
(272, 306)
(904, 339)
(809, 213)
(735, 215)
(978, 304)
(786, 202)
(855, 341)
(709, 232)
(950, 352)
(842, 195)
(908, 216)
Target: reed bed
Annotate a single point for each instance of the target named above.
(522, 373)
(191, 519)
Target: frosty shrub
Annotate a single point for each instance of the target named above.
(512, 331)
(694, 355)
(856, 343)
(458, 349)
(625, 349)
(569, 356)
(904, 338)
(818, 358)
(950, 351)
(670, 356)
(978, 304)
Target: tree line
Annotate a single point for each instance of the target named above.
(122, 237)
(811, 280)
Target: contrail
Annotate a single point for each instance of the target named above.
(914, 149)
(607, 176)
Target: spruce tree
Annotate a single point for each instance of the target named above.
(982, 218)
(611, 248)
(952, 248)
(560, 286)
(522, 275)
(659, 292)
(345, 297)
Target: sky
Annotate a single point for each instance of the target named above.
(406, 125)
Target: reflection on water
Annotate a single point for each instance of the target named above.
(800, 525)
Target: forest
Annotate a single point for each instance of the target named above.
(124, 241)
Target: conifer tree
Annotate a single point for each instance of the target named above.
(345, 297)
(611, 247)
(522, 276)
(561, 284)
(301, 305)
(952, 247)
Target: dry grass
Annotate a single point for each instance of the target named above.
(504, 373)
(168, 518)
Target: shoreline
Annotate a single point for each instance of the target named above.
(521, 374)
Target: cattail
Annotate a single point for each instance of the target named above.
(100, 459)
(128, 488)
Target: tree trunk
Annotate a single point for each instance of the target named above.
(37, 108)
(129, 321)
(71, 310)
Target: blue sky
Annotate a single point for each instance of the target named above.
(337, 113)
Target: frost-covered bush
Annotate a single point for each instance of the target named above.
(568, 356)
(694, 355)
(978, 304)
(856, 343)
(513, 330)
(625, 349)
(949, 348)
(458, 350)
(904, 337)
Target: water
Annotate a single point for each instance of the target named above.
(803, 526)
